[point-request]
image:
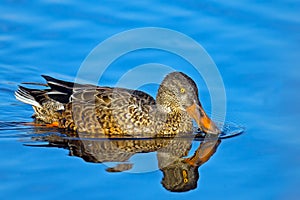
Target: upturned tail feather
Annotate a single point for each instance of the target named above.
(59, 91)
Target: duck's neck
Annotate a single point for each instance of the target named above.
(166, 101)
(171, 120)
(172, 123)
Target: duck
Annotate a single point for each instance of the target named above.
(113, 111)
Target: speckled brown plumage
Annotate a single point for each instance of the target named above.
(119, 111)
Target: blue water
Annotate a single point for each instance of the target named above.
(255, 46)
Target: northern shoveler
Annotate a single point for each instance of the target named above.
(119, 111)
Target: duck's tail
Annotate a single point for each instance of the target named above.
(59, 91)
(49, 102)
(30, 96)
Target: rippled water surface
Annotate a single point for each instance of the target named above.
(255, 46)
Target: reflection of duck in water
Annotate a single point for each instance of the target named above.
(180, 173)
(117, 111)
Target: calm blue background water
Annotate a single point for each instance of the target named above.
(255, 46)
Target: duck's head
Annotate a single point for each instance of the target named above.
(179, 93)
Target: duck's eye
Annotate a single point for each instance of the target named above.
(182, 90)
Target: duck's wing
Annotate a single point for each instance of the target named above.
(64, 92)
(111, 111)
(107, 95)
